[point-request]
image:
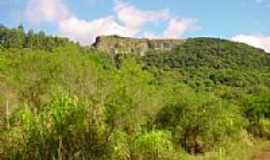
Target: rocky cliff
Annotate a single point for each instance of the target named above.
(124, 45)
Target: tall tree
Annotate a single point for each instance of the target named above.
(15, 38)
(30, 39)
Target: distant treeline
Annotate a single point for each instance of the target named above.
(19, 38)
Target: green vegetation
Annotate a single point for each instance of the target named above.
(17, 38)
(207, 99)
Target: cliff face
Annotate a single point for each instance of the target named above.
(124, 45)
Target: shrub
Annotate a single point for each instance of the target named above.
(199, 122)
(154, 145)
(257, 111)
(64, 129)
(120, 146)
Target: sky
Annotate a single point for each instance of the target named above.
(245, 21)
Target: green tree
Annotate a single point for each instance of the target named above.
(199, 121)
(15, 38)
(30, 39)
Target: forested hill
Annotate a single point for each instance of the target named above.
(210, 52)
(201, 62)
(206, 62)
(205, 99)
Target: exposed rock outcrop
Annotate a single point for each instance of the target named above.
(124, 45)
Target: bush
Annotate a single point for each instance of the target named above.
(120, 146)
(199, 122)
(64, 129)
(260, 128)
(257, 111)
(153, 145)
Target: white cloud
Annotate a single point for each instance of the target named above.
(177, 27)
(85, 31)
(258, 41)
(127, 20)
(38, 11)
(134, 18)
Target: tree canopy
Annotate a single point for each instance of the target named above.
(206, 99)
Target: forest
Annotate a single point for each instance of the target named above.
(207, 99)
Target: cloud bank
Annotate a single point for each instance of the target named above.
(127, 20)
(38, 11)
(177, 27)
(134, 19)
(258, 41)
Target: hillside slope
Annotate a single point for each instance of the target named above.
(205, 99)
(211, 52)
(206, 62)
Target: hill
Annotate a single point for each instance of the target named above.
(211, 52)
(203, 99)
(213, 61)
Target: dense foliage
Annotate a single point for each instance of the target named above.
(207, 99)
(18, 38)
(209, 62)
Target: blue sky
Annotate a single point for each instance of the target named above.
(82, 20)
